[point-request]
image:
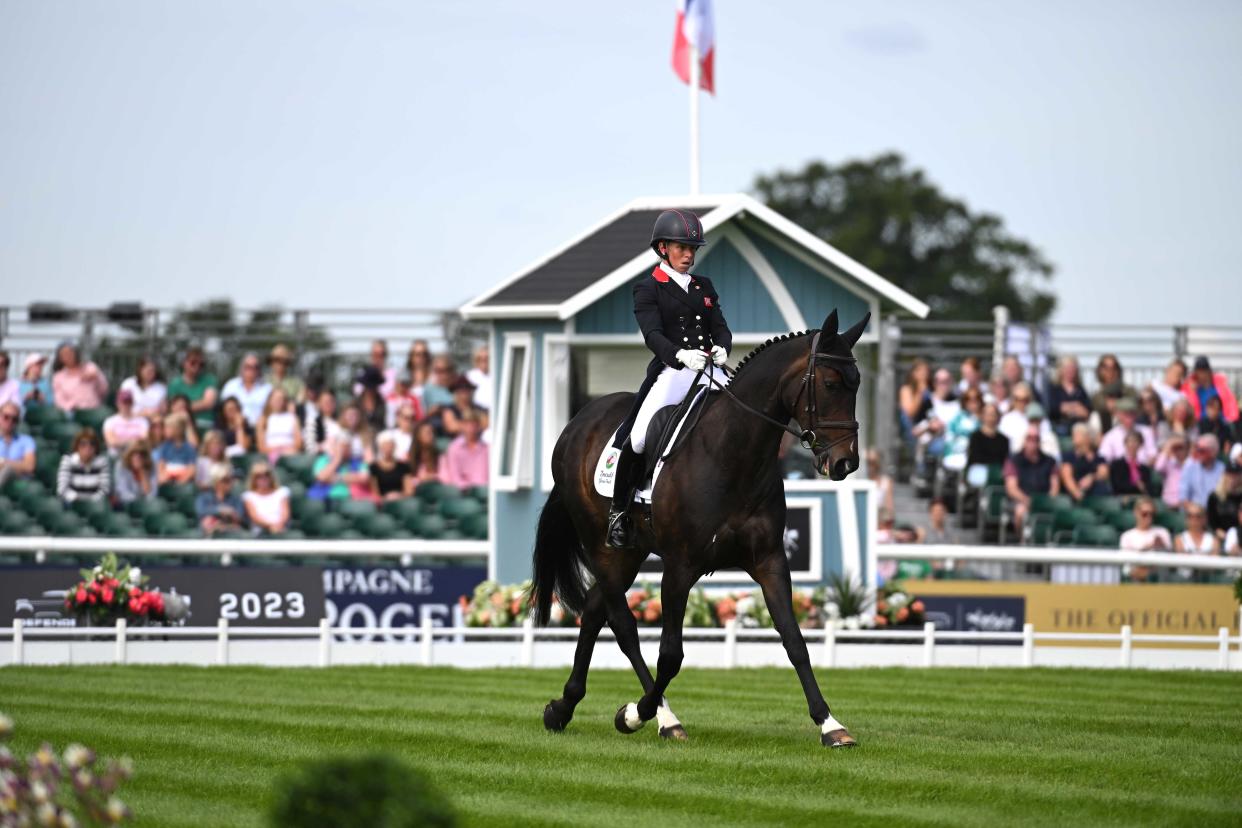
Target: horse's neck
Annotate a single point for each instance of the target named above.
(759, 386)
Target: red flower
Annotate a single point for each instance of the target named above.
(107, 595)
(80, 595)
(91, 599)
(94, 587)
(136, 607)
(157, 602)
(111, 583)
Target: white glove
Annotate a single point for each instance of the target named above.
(719, 355)
(695, 360)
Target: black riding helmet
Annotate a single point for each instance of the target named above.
(678, 226)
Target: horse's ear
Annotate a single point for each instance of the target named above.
(851, 336)
(830, 324)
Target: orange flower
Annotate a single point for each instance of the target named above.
(881, 621)
(726, 609)
(902, 614)
(636, 597)
(881, 606)
(917, 606)
(652, 613)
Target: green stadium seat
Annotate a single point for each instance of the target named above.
(293, 534)
(142, 508)
(1046, 504)
(353, 509)
(17, 488)
(479, 493)
(13, 522)
(1175, 522)
(173, 492)
(452, 534)
(403, 508)
(166, 524)
(1100, 535)
(297, 490)
(302, 508)
(92, 417)
(432, 527)
(62, 523)
(46, 470)
(460, 507)
(1121, 521)
(41, 505)
(351, 534)
(38, 415)
(1103, 504)
(296, 467)
(329, 526)
(474, 526)
(381, 526)
(432, 491)
(90, 509)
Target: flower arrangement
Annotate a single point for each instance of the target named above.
(896, 608)
(843, 603)
(72, 789)
(111, 591)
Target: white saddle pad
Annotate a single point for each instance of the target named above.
(606, 466)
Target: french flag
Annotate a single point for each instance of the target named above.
(694, 28)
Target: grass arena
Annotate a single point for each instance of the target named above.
(936, 747)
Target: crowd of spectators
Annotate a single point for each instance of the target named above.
(393, 428)
(1174, 445)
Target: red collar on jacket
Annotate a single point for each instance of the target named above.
(660, 276)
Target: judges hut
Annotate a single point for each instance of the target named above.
(563, 332)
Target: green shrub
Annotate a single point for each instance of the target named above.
(373, 791)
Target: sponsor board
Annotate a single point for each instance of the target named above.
(974, 613)
(279, 597)
(382, 596)
(1149, 609)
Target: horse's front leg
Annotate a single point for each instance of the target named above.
(674, 592)
(559, 712)
(772, 574)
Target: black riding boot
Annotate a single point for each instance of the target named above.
(625, 484)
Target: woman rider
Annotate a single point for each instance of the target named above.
(681, 322)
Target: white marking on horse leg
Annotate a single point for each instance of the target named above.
(632, 720)
(830, 724)
(664, 715)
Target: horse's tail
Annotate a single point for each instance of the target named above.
(559, 565)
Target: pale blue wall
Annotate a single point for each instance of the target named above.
(813, 292)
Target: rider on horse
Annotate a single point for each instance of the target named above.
(681, 322)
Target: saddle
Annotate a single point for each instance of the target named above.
(666, 434)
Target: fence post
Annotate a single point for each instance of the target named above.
(222, 642)
(425, 642)
(1028, 645)
(929, 644)
(885, 386)
(528, 642)
(730, 641)
(325, 643)
(19, 645)
(122, 640)
(1223, 663)
(1127, 646)
(830, 644)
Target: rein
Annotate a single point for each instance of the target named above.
(807, 436)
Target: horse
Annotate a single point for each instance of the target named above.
(718, 503)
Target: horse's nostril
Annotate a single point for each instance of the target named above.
(844, 467)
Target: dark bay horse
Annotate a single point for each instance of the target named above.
(719, 503)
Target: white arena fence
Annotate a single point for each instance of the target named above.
(529, 646)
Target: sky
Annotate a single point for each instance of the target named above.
(377, 154)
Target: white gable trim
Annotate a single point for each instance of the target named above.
(639, 264)
(767, 275)
(836, 258)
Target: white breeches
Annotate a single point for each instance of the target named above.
(669, 389)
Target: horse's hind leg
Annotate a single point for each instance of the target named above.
(773, 576)
(559, 712)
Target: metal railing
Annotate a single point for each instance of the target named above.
(499, 642)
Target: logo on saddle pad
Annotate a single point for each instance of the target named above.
(707, 301)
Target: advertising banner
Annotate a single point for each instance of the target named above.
(398, 596)
(1165, 609)
(259, 597)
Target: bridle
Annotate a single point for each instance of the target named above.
(809, 439)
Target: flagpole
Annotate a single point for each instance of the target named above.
(694, 120)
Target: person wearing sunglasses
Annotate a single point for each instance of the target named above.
(17, 451)
(1146, 536)
(195, 383)
(1198, 538)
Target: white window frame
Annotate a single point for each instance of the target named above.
(522, 466)
(555, 401)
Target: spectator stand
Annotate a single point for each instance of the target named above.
(563, 333)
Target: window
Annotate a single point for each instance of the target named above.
(515, 458)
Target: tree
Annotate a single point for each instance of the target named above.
(892, 219)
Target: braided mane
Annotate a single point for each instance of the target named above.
(774, 340)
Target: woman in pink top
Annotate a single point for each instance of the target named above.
(1169, 463)
(76, 384)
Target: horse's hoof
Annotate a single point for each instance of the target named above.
(675, 733)
(627, 720)
(554, 720)
(840, 738)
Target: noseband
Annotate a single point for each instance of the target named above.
(807, 436)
